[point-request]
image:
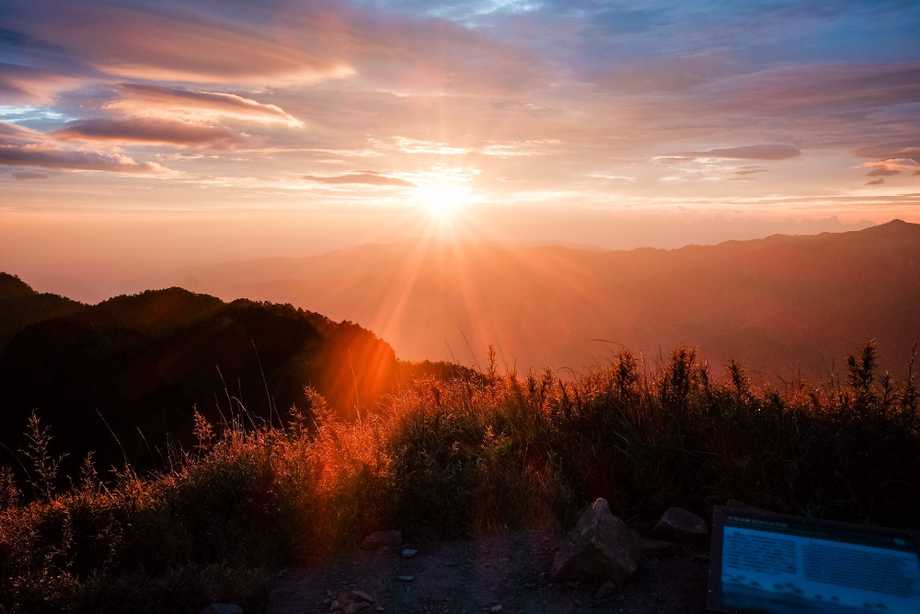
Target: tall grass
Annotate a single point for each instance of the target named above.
(484, 453)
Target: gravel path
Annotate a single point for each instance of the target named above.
(506, 574)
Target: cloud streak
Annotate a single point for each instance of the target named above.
(144, 43)
(360, 178)
(23, 147)
(142, 99)
(147, 131)
(746, 152)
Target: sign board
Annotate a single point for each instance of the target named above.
(761, 562)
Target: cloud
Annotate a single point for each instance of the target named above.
(422, 146)
(817, 88)
(749, 170)
(904, 150)
(891, 167)
(14, 135)
(75, 160)
(172, 45)
(30, 84)
(882, 172)
(746, 152)
(28, 175)
(897, 158)
(139, 99)
(878, 181)
(24, 147)
(669, 74)
(147, 131)
(272, 44)
(359, 178)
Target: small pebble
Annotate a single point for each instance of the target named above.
(405, 578)
(408, 553)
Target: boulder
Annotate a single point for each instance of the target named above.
(600, 548)
(222, 608)
(679, 523)
(382, 539)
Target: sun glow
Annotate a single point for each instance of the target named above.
(444, 201)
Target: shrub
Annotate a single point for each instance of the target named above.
(481, 453)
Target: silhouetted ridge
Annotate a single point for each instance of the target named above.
(145, 361)
(21, 306)
(13, 287)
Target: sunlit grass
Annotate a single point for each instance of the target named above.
(485, 453)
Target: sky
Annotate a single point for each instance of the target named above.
(137, 137)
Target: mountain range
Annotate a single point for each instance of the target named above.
(784, 306)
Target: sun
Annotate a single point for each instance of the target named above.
(443, 202)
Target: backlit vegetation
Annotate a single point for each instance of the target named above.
(483, 453)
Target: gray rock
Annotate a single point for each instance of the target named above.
(408, 553)
(382, 539)
(222, 608)
(405, 578)
(600, 547)
(677, 522)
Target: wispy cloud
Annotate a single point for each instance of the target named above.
(359, 178)
(140, 42)
(24, 147)
(746, 152)
(147, 131)
(142, 99)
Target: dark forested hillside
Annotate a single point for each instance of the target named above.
(20, 306)
(139, 365)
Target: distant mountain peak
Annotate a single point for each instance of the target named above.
(895, 226)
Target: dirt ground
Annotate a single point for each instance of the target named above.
(506, 574)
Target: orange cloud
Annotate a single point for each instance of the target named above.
(363, 178)
(146, 131)
(910, 150)
(75, 160)
(296, 43)
(28, 84)
(140, 99)
(24, 147)
(178, 46)
(891, 167)
(746, 152)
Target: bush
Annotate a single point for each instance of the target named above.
(470, 455)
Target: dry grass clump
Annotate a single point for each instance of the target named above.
(483, 453)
